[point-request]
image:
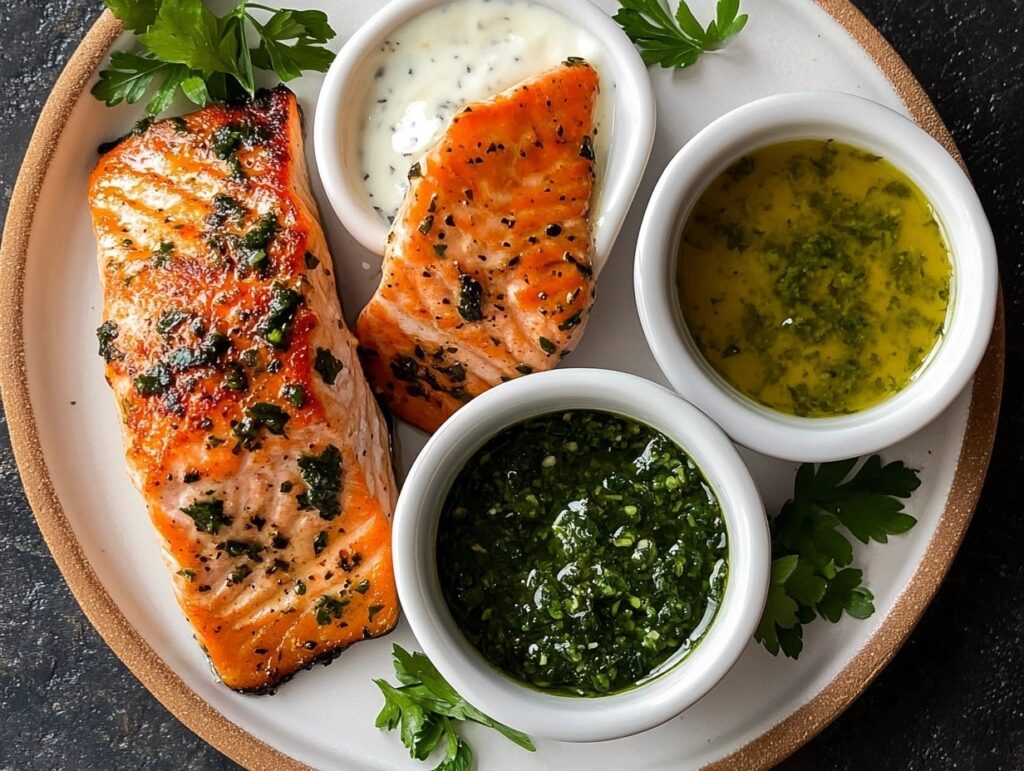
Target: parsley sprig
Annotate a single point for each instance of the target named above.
(424, 708)
(188, 48)
(811, 569)
(677, 42)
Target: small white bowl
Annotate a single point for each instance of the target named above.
(336, 130)
(562, 717)
(870, 126)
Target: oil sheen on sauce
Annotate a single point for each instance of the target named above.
(815, 278)
(581, 552)
(457, 53)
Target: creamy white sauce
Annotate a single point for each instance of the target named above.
(460, 52)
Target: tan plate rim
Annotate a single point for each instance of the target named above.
(768, 749)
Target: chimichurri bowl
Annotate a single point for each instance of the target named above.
(679, 678)
(703, 359)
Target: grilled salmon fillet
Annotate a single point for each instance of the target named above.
(487, 272)
(248, 425)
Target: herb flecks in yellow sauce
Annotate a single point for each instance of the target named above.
(814, 278)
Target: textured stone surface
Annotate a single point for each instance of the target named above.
(953, 697)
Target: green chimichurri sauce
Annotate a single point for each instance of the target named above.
(580, 551)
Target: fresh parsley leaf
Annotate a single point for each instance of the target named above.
(189, 49)
(868, 504)
(677, 42)
(424, 707)
(846, 592)
(403, 710)
(458, 759)
(792, 640)
(137, 15)
(234, 29)
(194, 89)
(187, 32)
(306, 30)
(129, 77)
(806, 584)
(780, 609)
(175, 75)
(811, 572)
(411, 668)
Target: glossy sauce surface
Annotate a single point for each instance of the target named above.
(580, 551)
(815, 278)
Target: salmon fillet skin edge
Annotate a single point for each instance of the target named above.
(487, 272)
(248, 425)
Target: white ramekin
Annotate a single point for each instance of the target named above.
(561, 717)
(339, 110)
(870, 126)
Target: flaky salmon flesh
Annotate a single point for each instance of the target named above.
(487, 272)
(248, 425)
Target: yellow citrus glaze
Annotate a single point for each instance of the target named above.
(814, 278)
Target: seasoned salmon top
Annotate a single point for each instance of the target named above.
(248, 424)
(487, 273)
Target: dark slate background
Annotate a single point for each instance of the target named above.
(953, 697)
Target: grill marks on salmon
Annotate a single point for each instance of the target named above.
(249, 427)
(487, 272)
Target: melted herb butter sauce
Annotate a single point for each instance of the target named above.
(460, 52)
(814, 278)
(579, 552)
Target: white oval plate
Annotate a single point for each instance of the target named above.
(65, 431)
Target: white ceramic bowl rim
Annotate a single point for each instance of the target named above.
(558, 717)
(339, 108)
(868, 125)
